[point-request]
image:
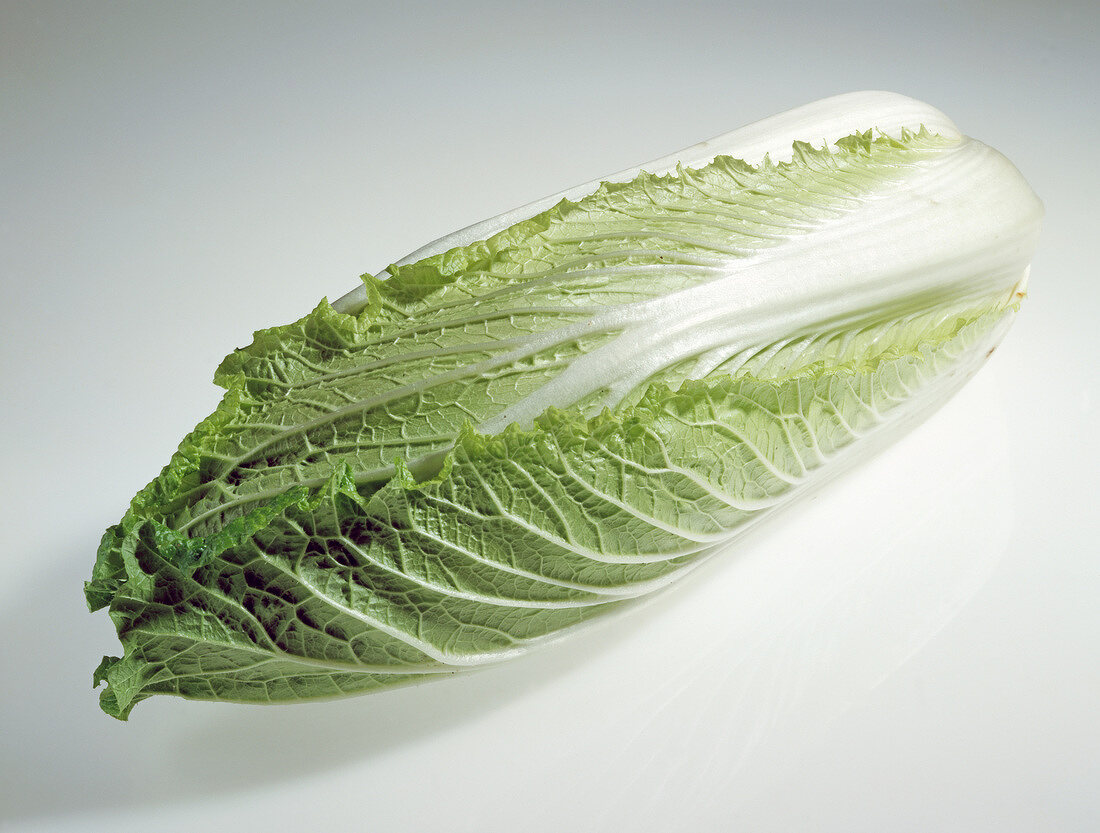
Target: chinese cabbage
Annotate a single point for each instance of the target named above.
(537, 419)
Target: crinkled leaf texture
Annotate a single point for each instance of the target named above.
(502, 440)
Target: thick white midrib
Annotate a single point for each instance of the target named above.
(698, 300)
(941, 233)
(823, 121)
(613, 318)
(951, 205)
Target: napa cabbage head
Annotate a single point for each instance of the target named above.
(535, 420)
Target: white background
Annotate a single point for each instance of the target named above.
(915, 649)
